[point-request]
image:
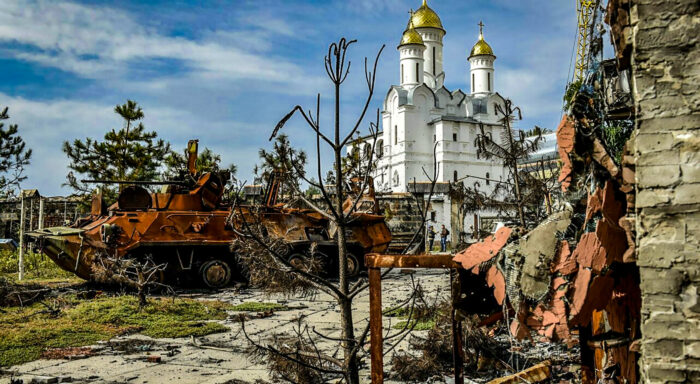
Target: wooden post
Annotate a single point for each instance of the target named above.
(375, 323)
(41, 213)
(456, 339)
(21, 238)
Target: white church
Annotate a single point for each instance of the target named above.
(420, 112)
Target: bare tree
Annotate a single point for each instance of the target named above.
(341, 206)
(138, 273)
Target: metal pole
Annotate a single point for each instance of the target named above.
(21, 239)
(41, 213)
(375, 323)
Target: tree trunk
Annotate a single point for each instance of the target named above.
(346, 322)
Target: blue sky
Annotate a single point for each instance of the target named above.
(226, 71)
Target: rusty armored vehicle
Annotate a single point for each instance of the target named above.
(188, 228)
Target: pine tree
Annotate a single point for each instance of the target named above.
(285, 159)
(130, 153)
(14, 156)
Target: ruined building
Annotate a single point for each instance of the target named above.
(658, 41)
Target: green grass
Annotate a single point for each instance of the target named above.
(258, 307)
(397, 312)
(26, 332)
(422, 325)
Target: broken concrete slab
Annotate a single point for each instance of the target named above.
(537, 249)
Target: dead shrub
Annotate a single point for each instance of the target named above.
(265, 270)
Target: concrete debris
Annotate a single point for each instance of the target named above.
(537, 250)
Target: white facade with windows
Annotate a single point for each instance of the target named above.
(421, 113)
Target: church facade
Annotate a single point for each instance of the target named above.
(420, 114)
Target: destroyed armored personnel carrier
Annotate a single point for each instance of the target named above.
(187, 228)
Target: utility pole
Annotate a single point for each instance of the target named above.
(21, 237)
(41, 213)
(31, 214)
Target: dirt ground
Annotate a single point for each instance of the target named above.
(221, 357)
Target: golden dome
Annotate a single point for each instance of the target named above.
(410, 36)
(481, 48)
(425, 17)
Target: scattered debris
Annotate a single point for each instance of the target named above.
(153, 359)
(69, 353)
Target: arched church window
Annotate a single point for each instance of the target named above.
(396, 134)
(402, 78)
(454, 176)
(489, 80)
(367, 150)
(454, 137)
(472, 83)
(488, 182)
(396, 179)
(380, 148)
(417, 71)
(434, 60)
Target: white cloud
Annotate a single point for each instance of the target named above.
(94, 42)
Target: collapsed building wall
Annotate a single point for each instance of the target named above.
(665, 63)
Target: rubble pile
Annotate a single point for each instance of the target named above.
(573, 278)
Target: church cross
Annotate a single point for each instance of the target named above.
(481, 28)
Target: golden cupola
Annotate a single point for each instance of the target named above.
(410, 36)
(481, 47)
(425, 17)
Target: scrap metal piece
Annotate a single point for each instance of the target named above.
(535, 374)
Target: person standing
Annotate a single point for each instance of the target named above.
(431, 238)
(443, 238)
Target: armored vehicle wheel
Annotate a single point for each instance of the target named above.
(353, 265)
(215, 273)
(297, 260)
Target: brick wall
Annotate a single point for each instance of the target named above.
(666, 81)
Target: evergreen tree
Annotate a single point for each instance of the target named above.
(14, 156)
(285, 159)
(207, 161)
(130, 153)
